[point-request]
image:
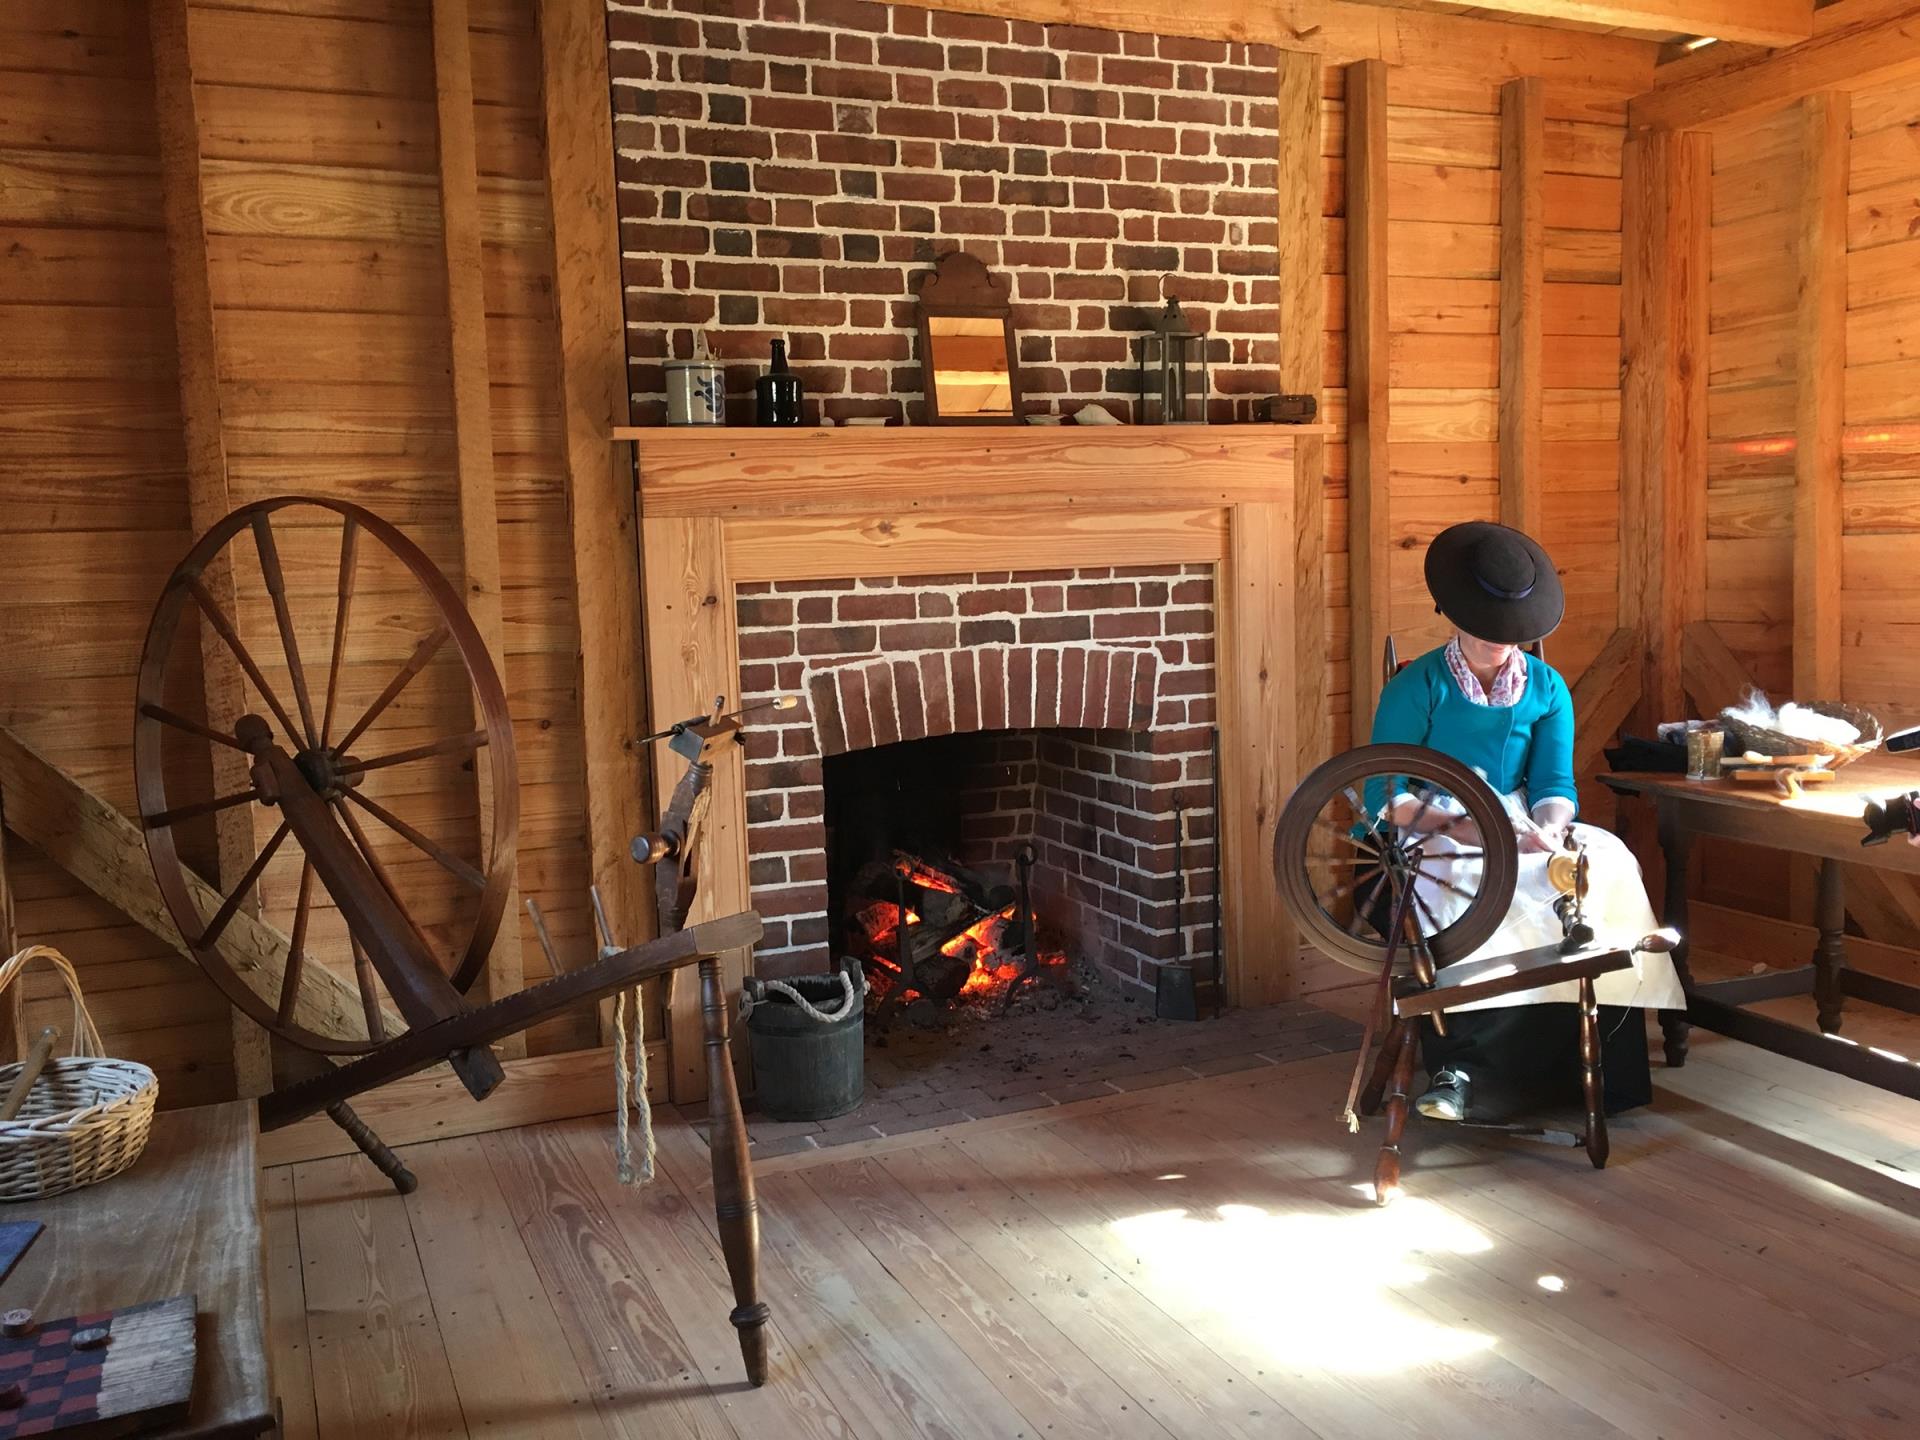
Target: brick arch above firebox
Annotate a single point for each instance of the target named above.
(989, 687)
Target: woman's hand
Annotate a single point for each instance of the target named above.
(1548, 832)
(1426, 819)
(1541, 839)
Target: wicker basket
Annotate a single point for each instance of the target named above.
(1763, 740)
(86, 1118)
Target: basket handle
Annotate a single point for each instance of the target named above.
(83, 1035)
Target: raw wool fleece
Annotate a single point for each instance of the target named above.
(1791, 719)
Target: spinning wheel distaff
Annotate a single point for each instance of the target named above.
(410, 915)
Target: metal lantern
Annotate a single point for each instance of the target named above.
(1173, 371)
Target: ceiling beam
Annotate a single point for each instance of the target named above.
(1880, 47)
(1340, 31)
(1759, 22)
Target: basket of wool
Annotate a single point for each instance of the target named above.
(1830, 728)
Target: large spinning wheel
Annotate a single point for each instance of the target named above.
(357, 774)
(337, 743)
(1364, 827)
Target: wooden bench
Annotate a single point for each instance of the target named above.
(185, 1219)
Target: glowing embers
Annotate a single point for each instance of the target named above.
(1317, 1291)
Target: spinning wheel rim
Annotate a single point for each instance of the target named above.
(1349, 772)
(492, 716)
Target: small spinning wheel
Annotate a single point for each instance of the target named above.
(1343, 862)
(343, 740)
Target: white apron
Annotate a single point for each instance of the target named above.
(1617, 909)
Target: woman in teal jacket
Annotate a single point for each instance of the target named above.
(1484, 701)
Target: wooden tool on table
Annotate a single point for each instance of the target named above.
(30, 1069)
(414, 934)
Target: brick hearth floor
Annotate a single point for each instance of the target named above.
(1049, 1050)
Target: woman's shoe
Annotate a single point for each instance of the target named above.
(1448, 1097)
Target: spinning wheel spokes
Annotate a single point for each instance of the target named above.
(269, 552)
(1377, 823)
(342, 607)
(416, 662)
(445, 885)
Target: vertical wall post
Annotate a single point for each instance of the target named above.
(178, 128)
(1522, 287)
(1667, 179)
(469, 373)
(1303, 349)
(577, 116)
(1820, 351)
(1368, 470)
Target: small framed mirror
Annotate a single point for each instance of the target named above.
(966, 344)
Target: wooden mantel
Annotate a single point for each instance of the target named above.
(721, 507)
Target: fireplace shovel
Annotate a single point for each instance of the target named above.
(1174, 996)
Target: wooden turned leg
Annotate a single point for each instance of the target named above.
(1591, 1076)
(1386, 1170)
(1382, 1071)
(1675, 843)
(733, 1199)
(1830, 950)
(373, 1147)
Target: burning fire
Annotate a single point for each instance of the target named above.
(989, 946)
(975, 941)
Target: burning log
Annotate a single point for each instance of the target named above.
(962, 932)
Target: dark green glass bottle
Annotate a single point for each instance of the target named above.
(777, 394)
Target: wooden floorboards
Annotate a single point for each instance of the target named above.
(1197, 1262)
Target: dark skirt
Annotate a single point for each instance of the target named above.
(1525, 1059)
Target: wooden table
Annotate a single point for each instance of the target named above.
(185, 1218)
(1824, 822)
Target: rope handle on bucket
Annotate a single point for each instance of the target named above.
(754, 991)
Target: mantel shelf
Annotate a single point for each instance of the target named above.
(881, 470)
(937, 433)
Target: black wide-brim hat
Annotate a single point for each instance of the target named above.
(1494, 583)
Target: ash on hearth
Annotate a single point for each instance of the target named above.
(964, 940)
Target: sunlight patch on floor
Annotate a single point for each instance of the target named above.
(1315, 1289)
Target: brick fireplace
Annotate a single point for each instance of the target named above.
(1098, 683)
(737, 523)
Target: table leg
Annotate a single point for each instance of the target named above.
(1676, 843)
(1830, 950)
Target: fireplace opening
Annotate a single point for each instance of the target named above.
(943, 832)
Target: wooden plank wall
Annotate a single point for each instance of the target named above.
(1750, 397)
(93, 487)
(1880, 444)
(1443, 274)
(1764, 335)
(319, 161)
